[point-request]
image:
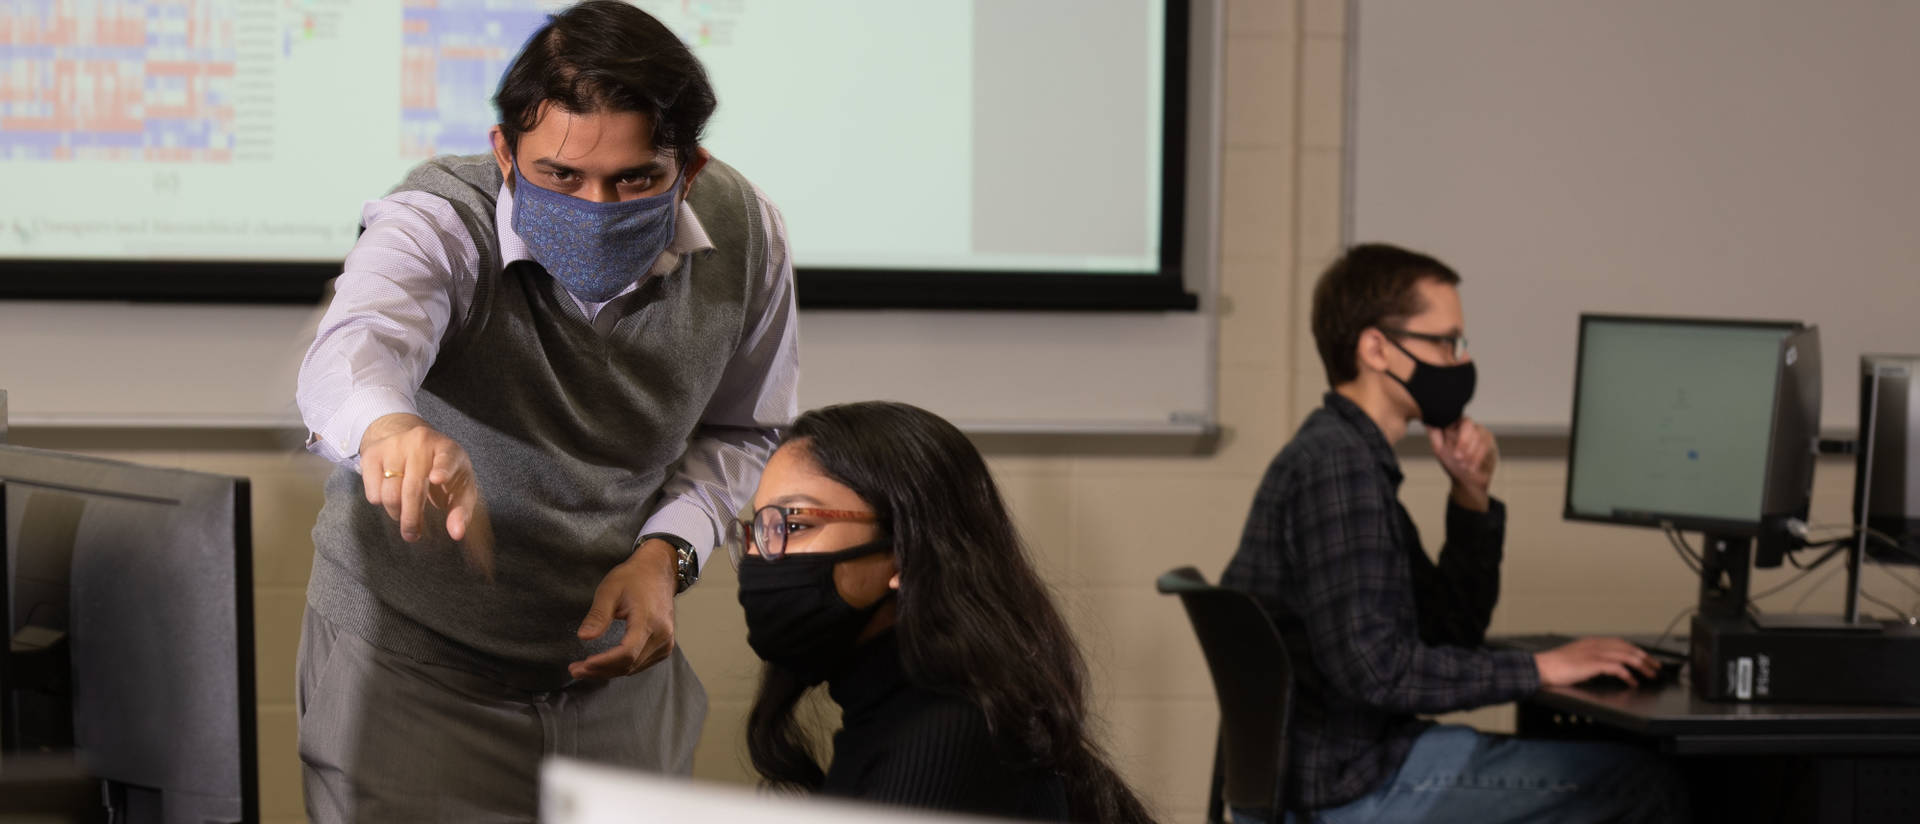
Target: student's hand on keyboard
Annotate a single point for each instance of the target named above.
(1591, 657)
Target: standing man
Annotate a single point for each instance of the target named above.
(548, 376)
(1379, 633)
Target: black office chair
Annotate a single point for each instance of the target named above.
(1253, 680)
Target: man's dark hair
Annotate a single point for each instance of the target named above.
(1373, 284)
(607, 56)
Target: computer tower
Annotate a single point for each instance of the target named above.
(1819, 661)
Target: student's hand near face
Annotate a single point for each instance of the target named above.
(1469, 454)
(640, 592)
(407, 466)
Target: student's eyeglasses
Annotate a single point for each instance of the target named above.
(765, 534)
(1456, 345)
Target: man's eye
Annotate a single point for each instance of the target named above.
(560, 177)
(641, 181)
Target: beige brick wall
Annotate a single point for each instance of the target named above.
(1104, 527)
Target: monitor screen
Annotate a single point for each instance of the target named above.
(981, 136)
(1673, 420)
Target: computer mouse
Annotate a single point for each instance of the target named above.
(1669, 673)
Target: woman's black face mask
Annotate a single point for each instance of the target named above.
(796, 619)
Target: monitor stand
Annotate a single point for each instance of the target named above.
(1725, 564)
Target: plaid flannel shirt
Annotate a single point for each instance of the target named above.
(1379, 633)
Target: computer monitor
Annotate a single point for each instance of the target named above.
(1886, 489)
(578, 792)
(1697, 424)
(128, 602)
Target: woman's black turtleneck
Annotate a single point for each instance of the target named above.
(900, 743)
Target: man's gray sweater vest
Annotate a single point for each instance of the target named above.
(571, 434)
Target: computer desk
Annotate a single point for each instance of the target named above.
(1782, 762)
(1684, 724)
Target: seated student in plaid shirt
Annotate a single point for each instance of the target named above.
(1381, 635)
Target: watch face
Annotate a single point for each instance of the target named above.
(686, 569)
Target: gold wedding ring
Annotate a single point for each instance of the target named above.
(388, 473)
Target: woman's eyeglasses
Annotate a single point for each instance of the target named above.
(765, 534)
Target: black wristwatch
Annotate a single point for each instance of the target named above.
(686, 565)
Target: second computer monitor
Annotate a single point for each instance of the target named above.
(1886, 489)
(126, 593)
(1702, 424)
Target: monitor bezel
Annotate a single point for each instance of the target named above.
(1865, 454)
(1681, 521)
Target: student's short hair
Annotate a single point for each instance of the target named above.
(1371, 285)
(607, 56)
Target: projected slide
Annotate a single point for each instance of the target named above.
(935, 134)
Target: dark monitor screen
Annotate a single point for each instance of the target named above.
(1674, 421)
(128, 602)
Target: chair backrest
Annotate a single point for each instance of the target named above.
(1253, 680)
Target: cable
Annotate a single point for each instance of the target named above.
(1835, 550)
(1888, 539)
(1667, 634)
(1816, 587)
(1679, 544)
(1884, 538)
(1897, 612)
(1902, 581)
(1804, 572)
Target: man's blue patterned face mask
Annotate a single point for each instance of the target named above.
(593, 249)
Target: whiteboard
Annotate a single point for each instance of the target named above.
(122, 364)
(1707, 158)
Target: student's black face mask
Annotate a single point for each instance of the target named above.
(796, 619)
(1441, 392)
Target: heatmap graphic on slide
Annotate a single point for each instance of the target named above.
(136, 80)
(452, 54)
(454, 51)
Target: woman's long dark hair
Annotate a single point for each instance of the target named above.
(975, 621)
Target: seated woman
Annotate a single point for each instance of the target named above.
(880, 560)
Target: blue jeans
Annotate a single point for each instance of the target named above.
(1457, 773)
